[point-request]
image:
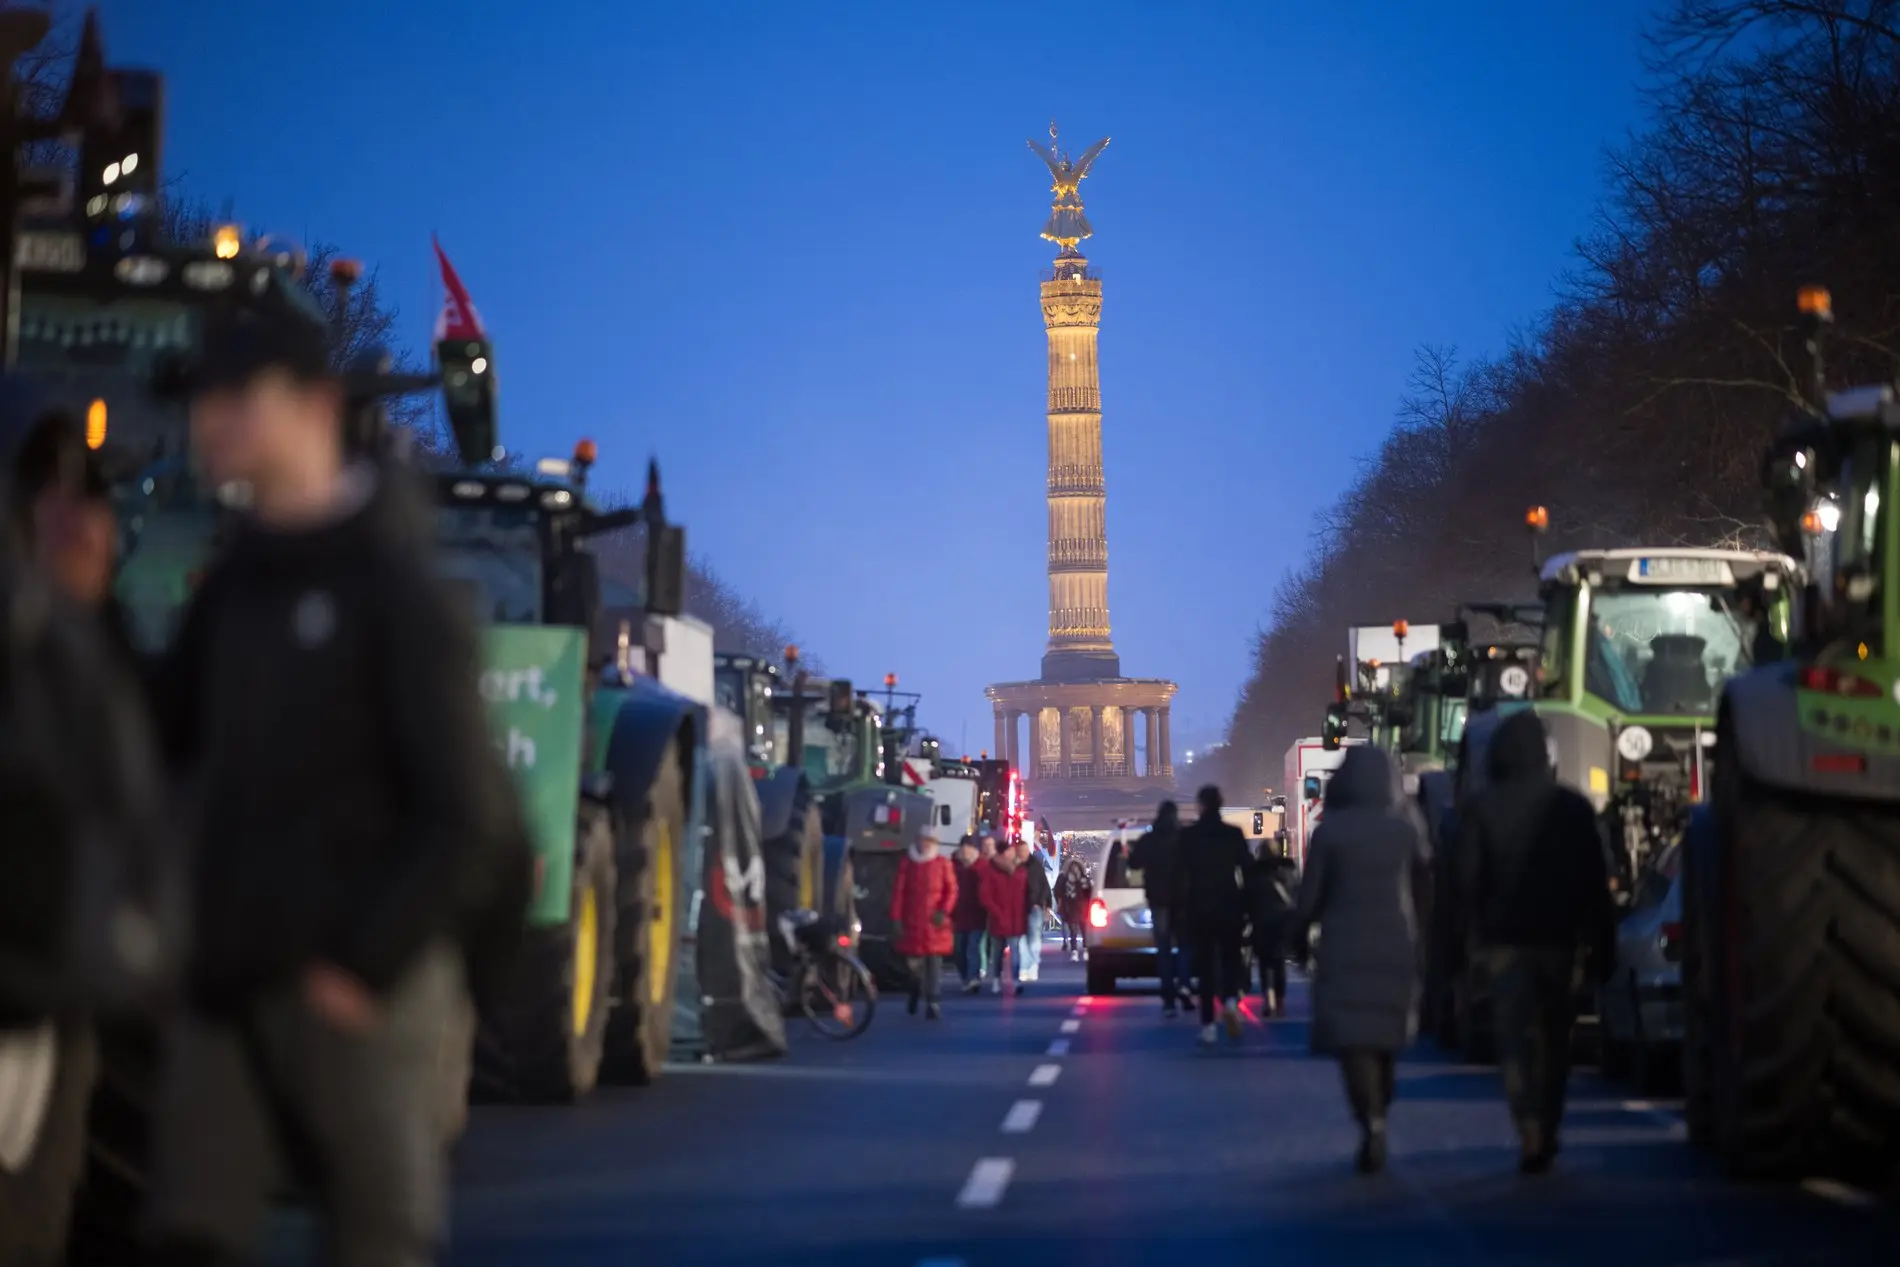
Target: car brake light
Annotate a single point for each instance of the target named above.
(844, 939)
(1669, 941)
(1834, 682)
(1098, 914)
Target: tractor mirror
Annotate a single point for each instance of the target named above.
(1333, 729)
(666, 570)
(468, 394)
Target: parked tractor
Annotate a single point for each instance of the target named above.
(1791, 950)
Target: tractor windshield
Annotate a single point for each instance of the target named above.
(1665, 651)
(492, 555)
(831, 756)
(99, 360)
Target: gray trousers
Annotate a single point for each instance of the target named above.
(362, 1113)
(1535, 988)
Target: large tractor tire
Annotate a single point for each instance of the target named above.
(874, 875)
(542, 1041)
(646, 945)
(1800, 1072)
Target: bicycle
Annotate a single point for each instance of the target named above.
(831, 986)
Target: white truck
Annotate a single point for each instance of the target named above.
(1308, 765)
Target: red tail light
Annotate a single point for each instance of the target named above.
(1834, 682)
(844, 940)
(1695, 777)
(1098, 914)
(1670, 942)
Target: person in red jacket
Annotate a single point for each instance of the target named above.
(921, 906)
(1005, 893)
(969, 917)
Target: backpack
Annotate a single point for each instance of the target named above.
(91, 891)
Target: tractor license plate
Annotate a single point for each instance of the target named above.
(1683, 571)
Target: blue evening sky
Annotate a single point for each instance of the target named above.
(791, 248)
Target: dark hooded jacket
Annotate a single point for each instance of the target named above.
(1365, 869)
(1154, 855)
(1530, 854)
(321, 697)
(1210, 880)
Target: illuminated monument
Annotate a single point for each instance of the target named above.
(1081, 760)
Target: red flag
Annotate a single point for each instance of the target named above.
(459, 320)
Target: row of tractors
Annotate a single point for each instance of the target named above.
(678, 801)
(1735, 713)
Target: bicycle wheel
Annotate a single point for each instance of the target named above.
(839, 997)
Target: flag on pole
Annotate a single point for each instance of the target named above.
(459, 320)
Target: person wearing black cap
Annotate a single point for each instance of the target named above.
(356, 827)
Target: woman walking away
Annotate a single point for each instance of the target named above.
(1364, 870)
(1073, 896)
(1270, 886)
(1005, 894)
(969, 918)
(921, 905)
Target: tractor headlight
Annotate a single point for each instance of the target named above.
(1633, 743)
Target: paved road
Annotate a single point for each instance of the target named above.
(1080, 1130)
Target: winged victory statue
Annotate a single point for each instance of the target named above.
(1067, 225)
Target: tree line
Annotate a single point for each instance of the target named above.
(1637, 408)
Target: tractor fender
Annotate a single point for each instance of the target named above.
(650, 718)
(1763, 733)
(778, 798)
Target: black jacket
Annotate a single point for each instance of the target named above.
(1270, 890)
(1156, 855)
(1210, 876)
(321, 700)
(1532, 861)
(1037, 894)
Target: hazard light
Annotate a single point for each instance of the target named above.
(1834, 682)
(1098, 914)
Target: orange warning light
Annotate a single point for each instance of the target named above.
(1815, 301)
(1537, 519)
(1400, 628)
(586, 452)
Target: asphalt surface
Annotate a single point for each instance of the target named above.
(1090, 1129)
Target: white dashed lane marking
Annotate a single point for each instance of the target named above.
(1069, 1027)
(1021, 1117)
(1045, 1075)
(1060, 1047)
(988, 1181)
(1839, 1193)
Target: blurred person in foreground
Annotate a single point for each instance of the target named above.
(1211, 907)
(922, 902)
(1154, 856)
(969, 918)
(358, 844)
(82, 805)
(1366, 869)
(1537, 886)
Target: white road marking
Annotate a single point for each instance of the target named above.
(1839, 1193)
(1045, 1075)
(1021, 1117)
(1060, 1047)
(1677, 1128)
(1069, 1027)
(988, 1181)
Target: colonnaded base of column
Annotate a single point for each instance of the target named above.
(1083, 744)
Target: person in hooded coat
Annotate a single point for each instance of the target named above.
(1536, 885)
(1271, 883)
(1210, 906)
(1365, 869)
(1074, 891)
(1154, 856)
(922, 902)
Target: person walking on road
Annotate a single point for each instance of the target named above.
(922, 903)
(969, 918)
(357, 833)
(1039, 901)
(1074, 892)
(1154, 857)
(1270, 886)
(1211, 907)
(1537, 887)
(1005, 896)
(1366, 868)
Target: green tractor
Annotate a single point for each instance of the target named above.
(1636, 646)
(1791, 876)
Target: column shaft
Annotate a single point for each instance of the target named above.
(1154, 742)
(1167, 745)
(1098, 764)
(1062, 721)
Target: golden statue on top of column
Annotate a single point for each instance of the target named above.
(1067, 225)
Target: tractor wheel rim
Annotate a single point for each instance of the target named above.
(660, 924)
(586, 955)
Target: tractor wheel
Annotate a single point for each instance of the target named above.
(647, 943)
(875, 878)
(1805, 1027)
(542, 1041)
(118, 1142)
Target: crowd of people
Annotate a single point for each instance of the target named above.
(985, 908)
